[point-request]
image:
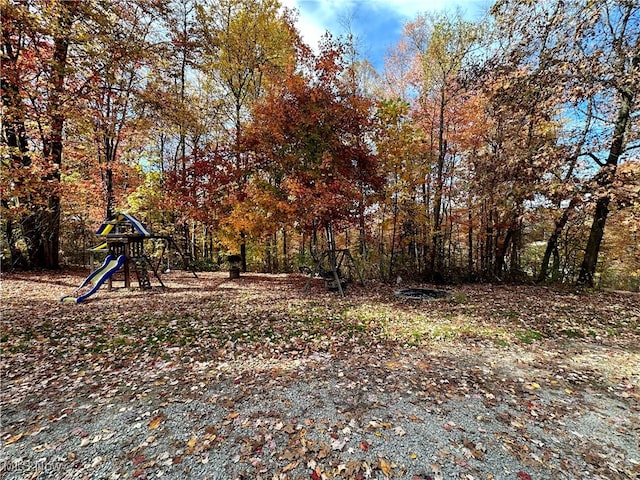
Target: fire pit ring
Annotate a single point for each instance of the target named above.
(422, 294)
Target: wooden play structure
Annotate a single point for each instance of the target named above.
(125, 235)
(124, 250)
(123, 246)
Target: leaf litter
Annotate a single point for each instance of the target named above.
(254, 379)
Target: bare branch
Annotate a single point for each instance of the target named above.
(595, 158)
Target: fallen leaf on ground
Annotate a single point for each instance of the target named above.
(385, 468)
(14, 438)
(155, 422)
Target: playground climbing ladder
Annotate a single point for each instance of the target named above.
(141, 265)
(140, 268)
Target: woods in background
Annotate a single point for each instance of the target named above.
(496, 150)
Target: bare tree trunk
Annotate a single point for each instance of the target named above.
(285, 250)
(438, 237)
(362, 227)
(50, 217)
(395, 228)
(268, 257)
(605, 180)
(274, 242)
(552, 244)
(243, 252)
(470, 241)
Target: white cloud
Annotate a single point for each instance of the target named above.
(314, 18)
(319, 16)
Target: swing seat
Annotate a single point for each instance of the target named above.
(332, 285)
(330, 282)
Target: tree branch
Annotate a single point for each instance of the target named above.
(592, 155)
(632, 147)
(595, 158)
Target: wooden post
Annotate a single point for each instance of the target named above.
(127, 256)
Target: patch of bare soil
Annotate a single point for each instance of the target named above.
(252, 378)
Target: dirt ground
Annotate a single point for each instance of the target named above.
(255, 378)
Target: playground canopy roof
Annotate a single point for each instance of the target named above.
(121, 224)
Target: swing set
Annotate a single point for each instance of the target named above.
(335, 266)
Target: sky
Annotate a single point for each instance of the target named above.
(376, 24)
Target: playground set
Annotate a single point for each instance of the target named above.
(124, 237)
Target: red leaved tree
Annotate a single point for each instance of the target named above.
(309, 136)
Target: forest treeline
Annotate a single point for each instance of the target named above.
(501, 149)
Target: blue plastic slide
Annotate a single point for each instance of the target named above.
(95, 280)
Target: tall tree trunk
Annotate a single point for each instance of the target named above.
(426, 240)
(605, 180)
(470, 240)
(438, 237)
(381, 232)
(501, 252)
(108, 182)
(396, 211)
(285, 250)
(362, 227)
(514, 256)
(392, 253)
(49, 217)
(268, 258)
(552, 243)
(243, 252)
(590, 260)
(274, 243)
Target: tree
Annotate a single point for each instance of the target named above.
(444, 45)
(592, 51)
(36, 45)
(183, 117)
(15, 154)
(242, 41)
(116, 78)
(63, 56)
(401, 161)
(522, 150)
(306, 138)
